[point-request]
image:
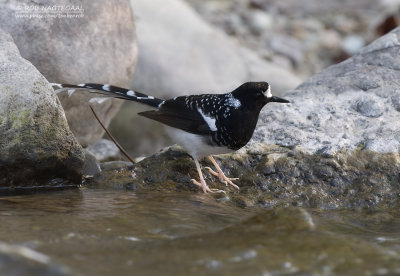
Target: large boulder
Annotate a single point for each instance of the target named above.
(354, 104)
(99, 45)
(36, 144)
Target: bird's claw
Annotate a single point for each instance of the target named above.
(223, 178)
(206, 188)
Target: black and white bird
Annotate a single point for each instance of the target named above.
(206, 124)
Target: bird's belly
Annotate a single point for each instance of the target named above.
(195, 145)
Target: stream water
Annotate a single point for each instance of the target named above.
(93, 231)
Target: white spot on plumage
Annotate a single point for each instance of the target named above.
(210, 121)
(150, 97)
(130, 93)
(106, 87)
(233, 102)
(159, 106)
(81, 84)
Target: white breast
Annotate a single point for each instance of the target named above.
(195, 145)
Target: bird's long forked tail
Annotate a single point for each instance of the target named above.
(109, 91)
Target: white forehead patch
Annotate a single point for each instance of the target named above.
(268, 93)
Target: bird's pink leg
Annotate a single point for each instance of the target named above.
(202, 182)
(222, 177)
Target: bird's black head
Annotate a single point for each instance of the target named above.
(256, 94)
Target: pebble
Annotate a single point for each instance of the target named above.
(260, 21)
(352, 44)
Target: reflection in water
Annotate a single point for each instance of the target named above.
(99, 232)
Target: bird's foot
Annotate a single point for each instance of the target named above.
(205, 188)
(223, 178)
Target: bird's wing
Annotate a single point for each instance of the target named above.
(177, 114)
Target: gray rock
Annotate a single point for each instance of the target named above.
(98, 47)
(260, 21)
(289, 47)
(352, 44)
(369, 107)
(347, 105)
(115, 165)
(273, 176)
(104, 150)
(18, 260)
(91, 166)
(182, 54)
(36, 144)
(396, 100)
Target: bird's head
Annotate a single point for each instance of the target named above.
(258, 93)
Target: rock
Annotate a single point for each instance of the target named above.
(98, 47)
(182, 54)
(104, 150)
(288, 47)
(273, 176)
(371, 107)
(20, 260)
(91, 165)
(352, 44)
(36, 144)
(115, 165)
(260, 21)
(347, 105)
(396, 100)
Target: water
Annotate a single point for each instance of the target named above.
(120, 232)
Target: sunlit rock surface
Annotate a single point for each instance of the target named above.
(354, 104)
(36, 144)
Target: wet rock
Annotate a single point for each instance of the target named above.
(115, 165)
(36, 144)
(20, 260)
(274, 176)
(346, 105)
(91, 165)
(99, 47)
(104, 150)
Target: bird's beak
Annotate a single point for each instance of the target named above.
(278, 100)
